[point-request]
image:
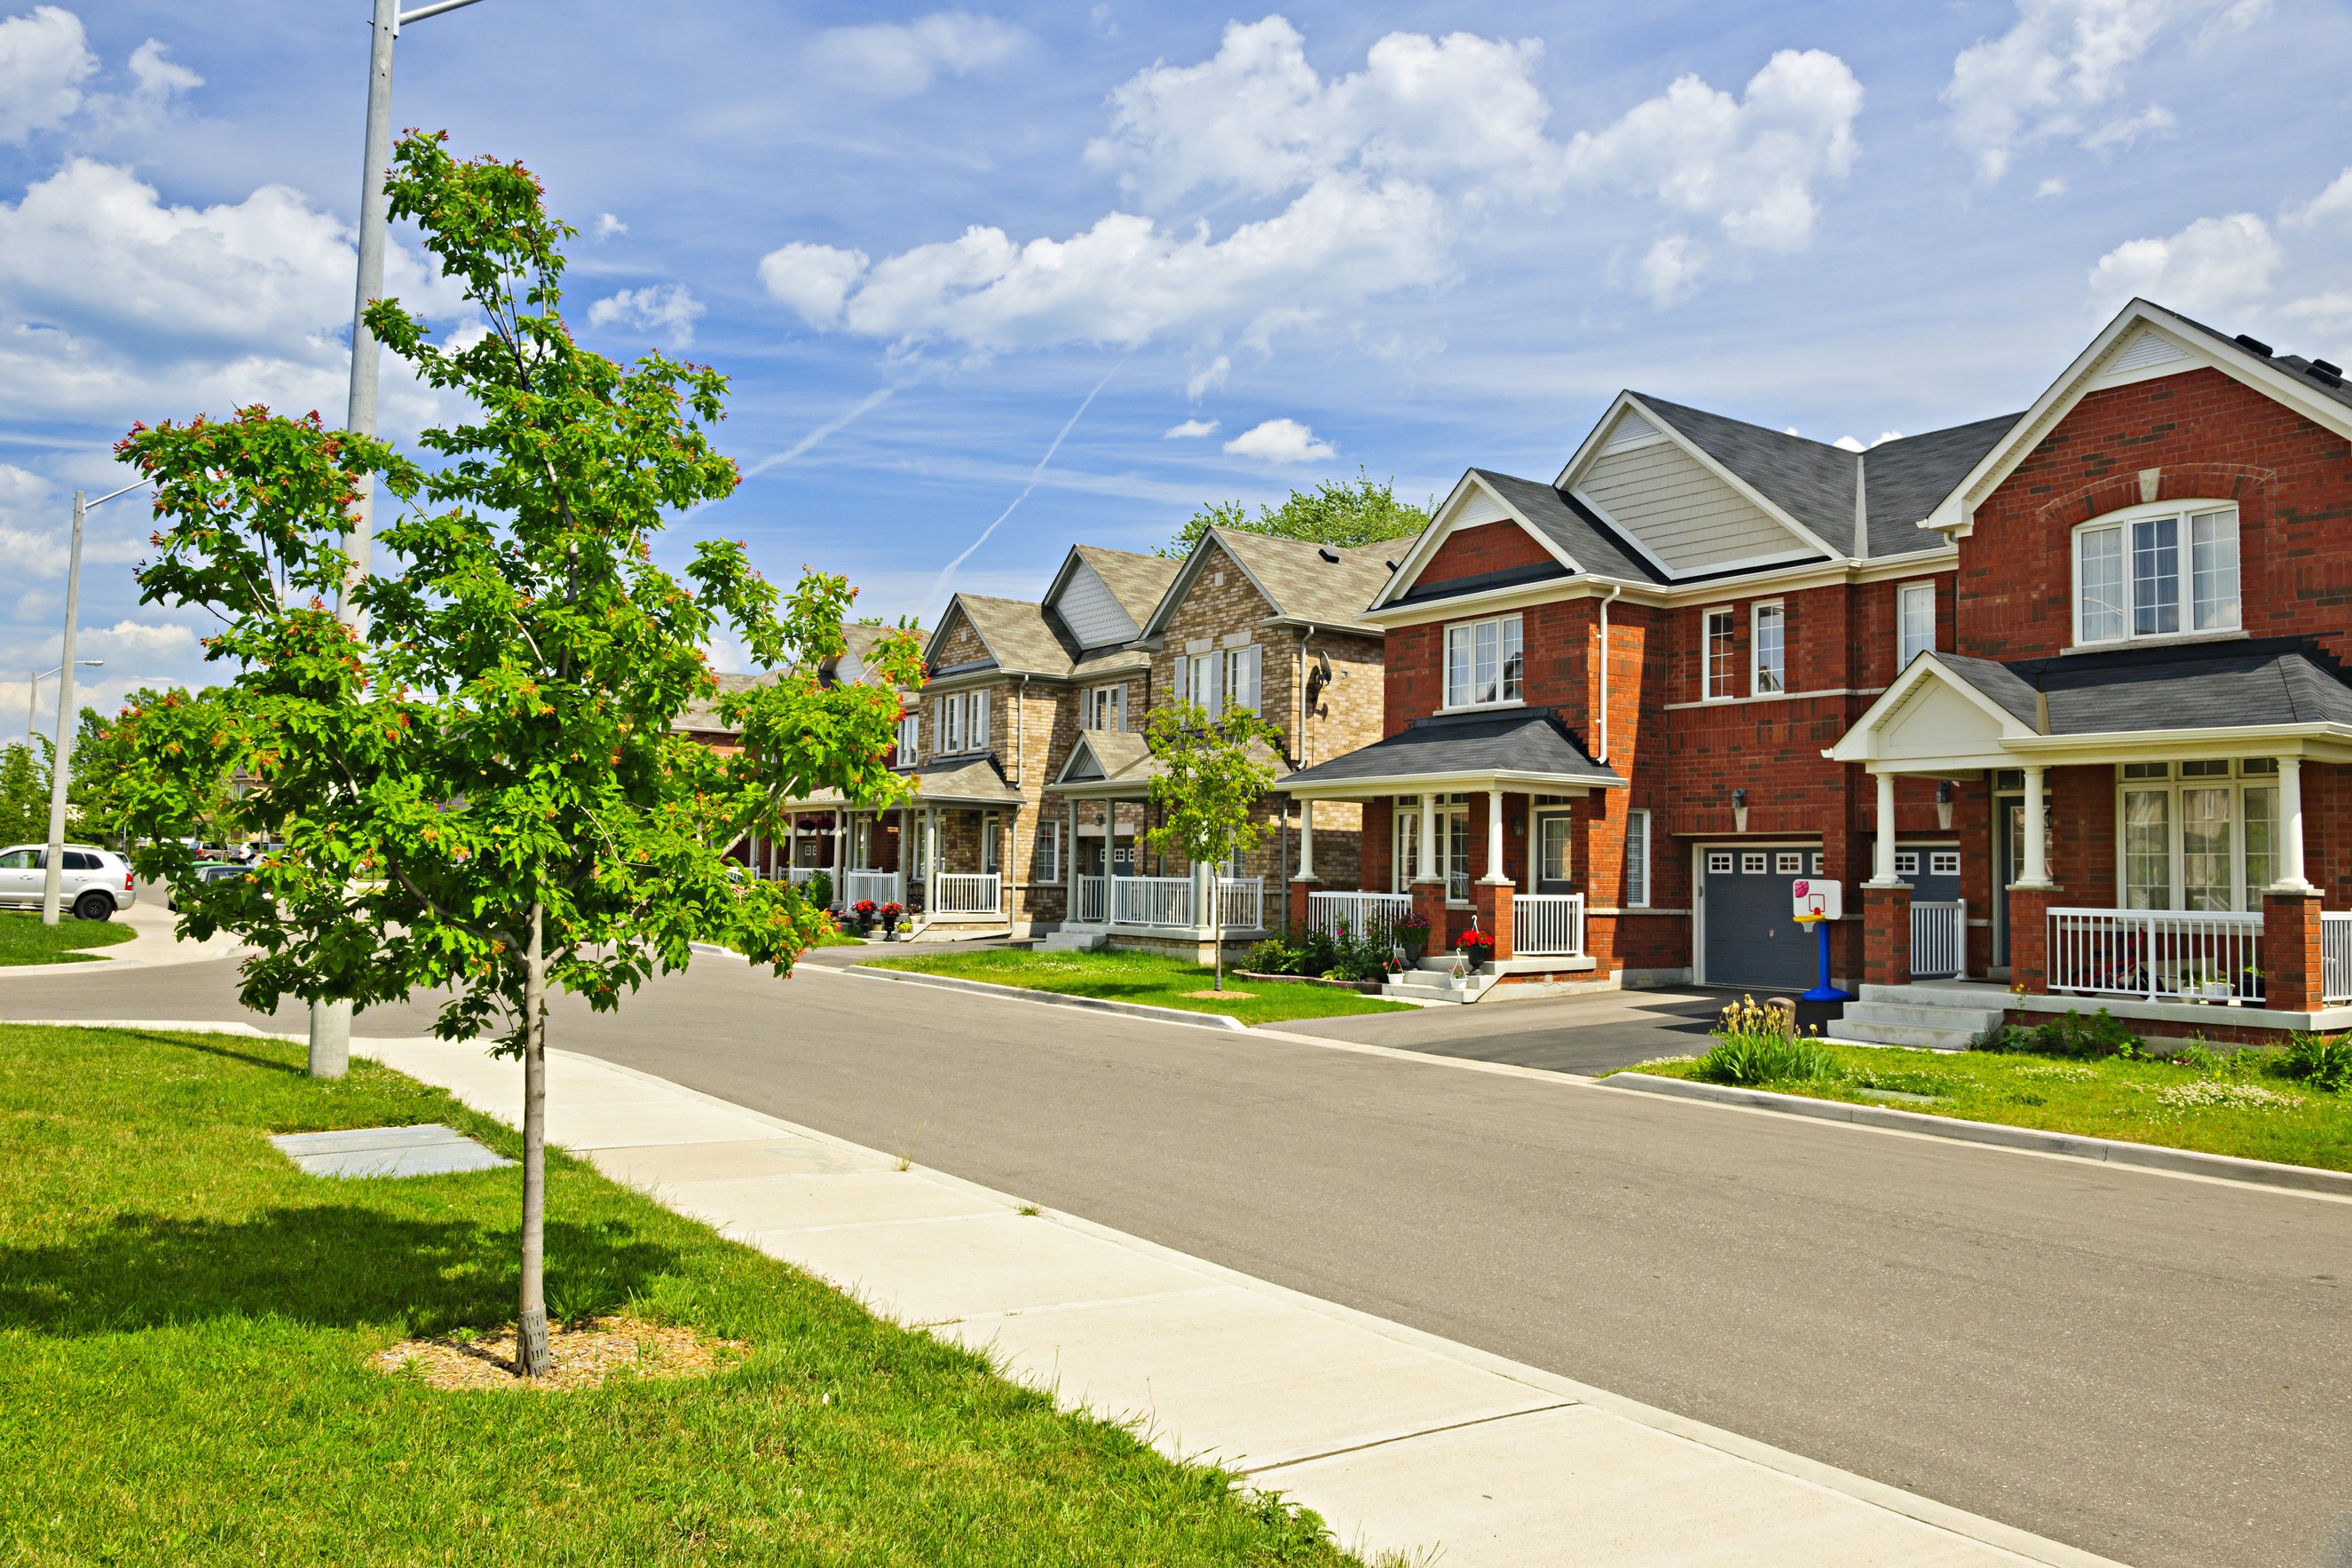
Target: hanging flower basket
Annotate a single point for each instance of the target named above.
(1476, 946)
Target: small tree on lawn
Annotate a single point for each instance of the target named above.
(481, 793)
(1213, 772)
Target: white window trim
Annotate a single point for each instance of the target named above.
(2245, 898)
(1445, 664)
(1756, 648)
(1706, 692)
(1641, 815)
(2185, 574)
(910, 738)
(1903, 590)
(975, 721)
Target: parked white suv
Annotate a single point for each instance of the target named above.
(95, 883)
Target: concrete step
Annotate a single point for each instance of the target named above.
(1429, 985)
(1939, 993)
(1076, 939)
(1918, 1013)
(1920, 1037)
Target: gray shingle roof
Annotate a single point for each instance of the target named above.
(1590, 542)
(963, 781)
(2293, 364)
(1903, 479)
(1136, 580)
(1302, 585)
(2272, 681)
(703, 716)
(1019, 632)
(1449, 745)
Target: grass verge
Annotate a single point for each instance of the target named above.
(2229, 1109)
(24, 940)
(186, 1324)
(1152, 978)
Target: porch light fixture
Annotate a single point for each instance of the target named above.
(1740, 810)
(1944, 804)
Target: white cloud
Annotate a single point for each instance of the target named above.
(665, 310)
(2332, 205)
(2057, 74)
(1853, 443)
(2214, 264)
(2055, 185)
(2328, 313)
(1207, 379)
(1189, 429)
(1670, 270)
(1381, 171)
(156, 85)
(607, 225)
(898, 59)
(44, 61)
(128, 640)
(1280, 441)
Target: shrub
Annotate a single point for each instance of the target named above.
(2320, 1060)
(1357, 958)
(1271, 956)
(1753, 1045)
(2071, 1036)
(818, 890)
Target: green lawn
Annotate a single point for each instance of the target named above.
(186, 1323)
(2222, 1111)
(1150, 978)
(24, 940)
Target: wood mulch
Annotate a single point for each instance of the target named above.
(584, 1354)
(1222, 995)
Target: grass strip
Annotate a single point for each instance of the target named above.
(186, 1324)
(1154, 979)
(2224, 1109)
(24, 940)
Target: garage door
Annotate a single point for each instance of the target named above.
(1749, 940)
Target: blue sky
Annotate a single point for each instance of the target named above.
(1271, 246)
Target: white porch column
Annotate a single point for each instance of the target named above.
(1493, 835)
(2036, 870)
(1883, 862)
(2290, 799)
(840, 847)
(1306, 841)
(1425, 857)
(1070, 863)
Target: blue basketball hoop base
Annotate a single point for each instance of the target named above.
(1823, 992)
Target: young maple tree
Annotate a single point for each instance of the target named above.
(480, 789)
(1213, 772)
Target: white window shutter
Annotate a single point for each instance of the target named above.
(1250, 667)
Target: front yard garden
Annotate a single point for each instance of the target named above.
(2091, 1076)
(24, 940)
(188, 1329)
(1153, 978)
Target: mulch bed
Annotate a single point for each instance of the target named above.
(584, 1355)
(1368, 988)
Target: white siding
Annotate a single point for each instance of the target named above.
(1091, 612)
(1688, 518)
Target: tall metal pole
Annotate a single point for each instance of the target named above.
(330, 1020)
(53, 873)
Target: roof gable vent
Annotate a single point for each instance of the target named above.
(1630, 429)
(2143, 348)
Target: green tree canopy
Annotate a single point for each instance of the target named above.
(1338, 512)
(1213, 772)
(480, 789)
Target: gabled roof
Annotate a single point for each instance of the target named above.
(1135, 579)
(1019, 635)
(2310, 388)
(1300, 580)
(701, 715)
(1572, 526)
(963, 781)
(1105, 756)
(1517, 746)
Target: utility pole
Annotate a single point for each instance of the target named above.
(61, 765)
(32, 700)
(330, 1019)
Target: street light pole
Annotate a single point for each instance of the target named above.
(32, 700)
(330, 1019)
(61, 764)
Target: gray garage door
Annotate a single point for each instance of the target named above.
(1751, 941)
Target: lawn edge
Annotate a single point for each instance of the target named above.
(2081, 1146)
(1053, 999)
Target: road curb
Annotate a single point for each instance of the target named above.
(2080, 1146)
(1054, 998)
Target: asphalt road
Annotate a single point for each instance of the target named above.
(2154, 1368)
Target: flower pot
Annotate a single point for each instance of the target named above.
(2214, 990)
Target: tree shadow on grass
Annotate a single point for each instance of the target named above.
(331, 1265)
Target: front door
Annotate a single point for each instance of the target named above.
(1552, 852)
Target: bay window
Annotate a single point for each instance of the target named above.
(1484, 663)
(2156, 573)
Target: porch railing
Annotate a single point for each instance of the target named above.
(1151, 901)
(1939, 940)
(1094, 906)
(965, 892)
(880, 886)
(799, 875)
(2191, 955)
(1363, 914)
(2336, 956)
(1547, 925)
(1241, 902)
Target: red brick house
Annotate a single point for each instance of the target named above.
(1844, 664)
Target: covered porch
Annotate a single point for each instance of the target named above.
(941, 856)
(2144, 817)
(1105, 790)
(1491, 823)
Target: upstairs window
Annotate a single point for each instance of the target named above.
(1484, 663)
(1228, 676)
(2157, 575)
(1106, 708)
(1914, 615)
(975, 721)
(1769, 654)
(951, 725)
(1718, 657)
(910, 738)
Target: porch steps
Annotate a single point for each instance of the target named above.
(1076, 939)
(1926, 1016)
(1426, 983)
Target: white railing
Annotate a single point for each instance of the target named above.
(2192, 955)
(2336, 956)
(1093, 902)
(880, 886)
(1363, 914)
(1547, 925)
(799, 875)
(964, 893)
(1939, 940)
(1241, 902)
(1151, 901)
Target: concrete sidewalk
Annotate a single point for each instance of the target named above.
(1405, 1442)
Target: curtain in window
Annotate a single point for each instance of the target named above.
(2213, 570)
(2147, 849)
(2262, 843)
(1771, 659)
(2205, 850)
(2102, 585)
(2155, 577)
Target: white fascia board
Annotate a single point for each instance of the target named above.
(1955, 513)
(1441, 528)
(1748, 492)
(1810, 573)
(1858, 743)
(1081, 750)
(1590, 446)
(1507, 781)
(2315, 742)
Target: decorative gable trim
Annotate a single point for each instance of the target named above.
(1194, 565)
(1082, 766)
(1860, 744)
(1471, 503)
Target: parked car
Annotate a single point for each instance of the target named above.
(95, 883)
(209, 874)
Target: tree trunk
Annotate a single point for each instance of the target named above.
(530, 1335)
(1217, 921)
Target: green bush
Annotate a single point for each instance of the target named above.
(2070, 1036)
(1271, 956)
(1754, 1045)
(2318, 1060)
(818, 890)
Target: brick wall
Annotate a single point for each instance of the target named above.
(1488, 547)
